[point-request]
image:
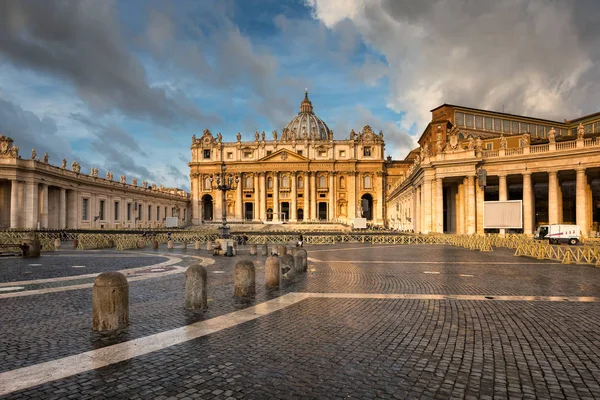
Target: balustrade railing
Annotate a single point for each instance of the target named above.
(514, 152)
(566, 145)
(539, 148)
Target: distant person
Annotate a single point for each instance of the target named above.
(169, 235)
(300, 240)
(244, 238)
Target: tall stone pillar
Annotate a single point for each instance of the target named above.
(14, 204)
(313, 195)
(502, 194)
(294, 202)
(306, 194)
(263, 196)
(257, 198)
(195, 183)
(552, 197)
(44, 206)
(32, 205)
(331, 210)
(62, 209)
(460, 215)
(380, 193)
(479, 198)
(581, 201)
(470, 196)
(417, 219)
(559, 202)
(527, 204)
(351, 185)
(427, 206)
(218, 209)
(439, 205)
(275, 196)
(239, 202)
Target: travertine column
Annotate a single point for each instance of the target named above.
(502, 194)
(351, 185)
(294, 203)
(257, 201)
(62, 210)
(559, 202)
(426, 206)
(14, 204)
(331, 210)
(418, 210)
(581, 202)
(32, 205)
(313, 195)
(479, 198)
(306, 193)
(527, 204)
(44, 206)
(459, 209)
(439, 205)
(239, 202)
(380, 199)
(552, 197)
(263, 196)
(195, 183)
(470, 195)
(276, 196)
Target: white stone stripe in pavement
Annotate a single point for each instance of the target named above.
(430, 262)
(34, 375)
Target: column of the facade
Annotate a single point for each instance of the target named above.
(351, 185)
(239, 202)
(32, 205)
(294, 202)
(460, 209)
(552, 197)
(14, 204)
(62, 209)
(470, 196)
(427, 214)
(44, 206)
(581, 203)
(502, 194)
(559, 202)
(196, 219)
(331, 210)
(306, 192)
(257, 198)
(313, 196)
(380, 190)
(219, 206)
(263, 196)
(417, 218)
(439, 205)
(276, 196)
(479, 198)
(527, 204)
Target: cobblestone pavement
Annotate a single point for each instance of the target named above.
(335, 347)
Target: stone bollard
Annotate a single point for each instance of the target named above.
(197, 245)
(57, 244)
(195, 288)
(253, 250)
(281, 250)
(34, 246)
(110, 302)
(170, 244)
(75, 243)
(184, 245)
(209, 245)
(155, 244)
(244, 279)
(272, 272)
(298, 263)
(304, 256)
(288, 270)
(265, 249)
(141, 244)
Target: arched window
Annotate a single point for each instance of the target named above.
(367, 182)
(342, 182)
(206, 183)
(300, 183)
(249, 182)
(269, 183)
(285, 181)
(322, 181)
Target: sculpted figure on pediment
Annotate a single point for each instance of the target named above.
(219, 137)
(478, 144)
(144, 184)
(239, 137)
(33, 154)
(425, 150)
(193, 139)
(123, 179)
(7, 149)
(471, 144)
(75, 167)
(274, 135)
(46, 158)
(64, 163)
(439, 146)
(580, 131)
(352, 135)
(526, 139)
(552, 135)
(502, 142)
(109, 176)
(256, 136)
(134, 181)
(262, 135)
(154, 186)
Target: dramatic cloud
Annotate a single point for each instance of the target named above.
(81, 42)
(529, 57)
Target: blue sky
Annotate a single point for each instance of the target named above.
(123, 85)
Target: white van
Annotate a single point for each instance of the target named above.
(557, 233)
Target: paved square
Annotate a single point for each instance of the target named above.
(366, 321)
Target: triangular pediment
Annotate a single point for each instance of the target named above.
(284, 155)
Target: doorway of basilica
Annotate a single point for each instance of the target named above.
(366, 202)
(207, 207)
(322, 211)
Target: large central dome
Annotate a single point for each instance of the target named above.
(306, 125)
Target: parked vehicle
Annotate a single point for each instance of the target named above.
(558, 233)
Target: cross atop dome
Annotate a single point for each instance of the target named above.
(306, 106)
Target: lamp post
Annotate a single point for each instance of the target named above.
(224, 183)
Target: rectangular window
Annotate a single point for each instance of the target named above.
(166, 212)
(488, 124)
(116, 210)
(269, 152)
(248, 153)
(206, 154)
(367, 151)
(229, 155)
(469, 120)
(574, 131)
(322, 153)
(149, 213)
(488, 146)
(596, 127)
(515, 127)
(128, 211)
(101, 214)
(524, 127)
(588, 128)
(157, 213)
(139, 212)
(541, 131)
(85, 209)
(505, 126)
(460, 119)
(478, 122)
(299, 152)
(497, 124)
(184, 214)
(342, 153)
